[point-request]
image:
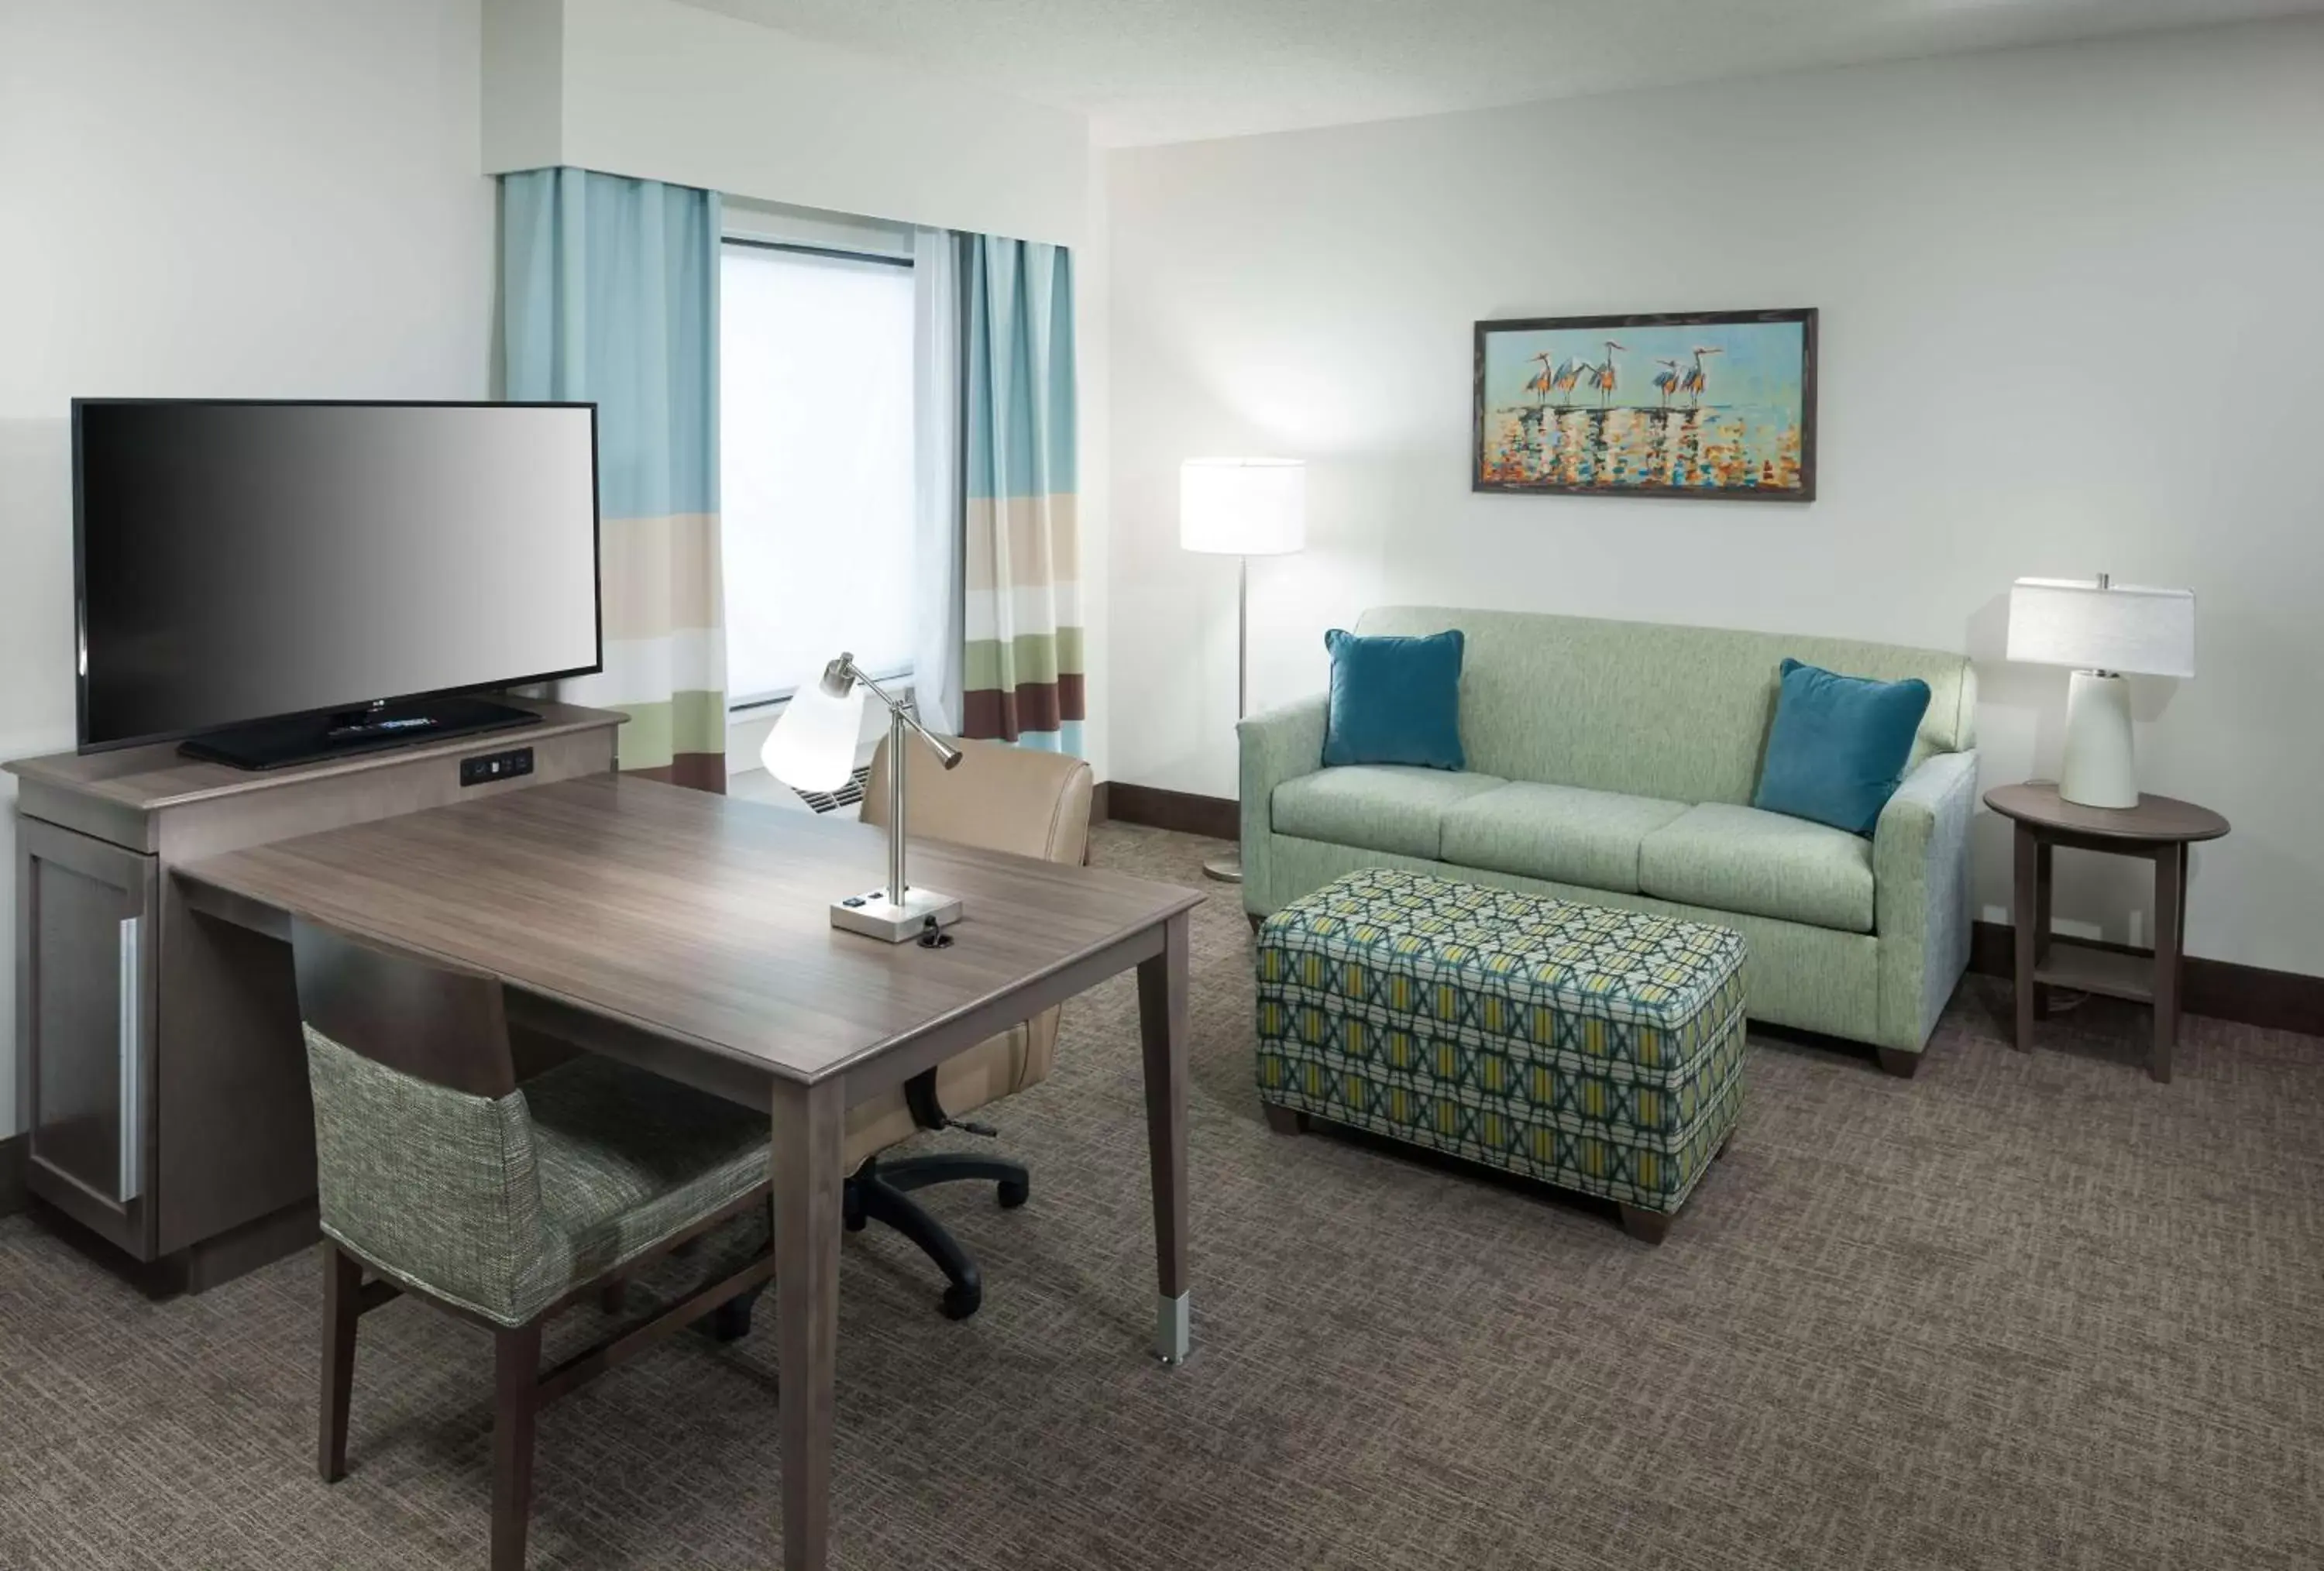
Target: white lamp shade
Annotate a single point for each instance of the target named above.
(2119, 627)
(1242, 507)
(812, 747)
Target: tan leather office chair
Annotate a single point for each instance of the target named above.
(1006, 798)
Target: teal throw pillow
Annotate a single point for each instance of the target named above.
(1839, 746)
(1395, 701)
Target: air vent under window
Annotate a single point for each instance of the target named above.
(846, 796)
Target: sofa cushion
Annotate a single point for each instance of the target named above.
(1382, 806)
(1741, 859)
(1839, 745)
(1555, 832)
(1394, 700)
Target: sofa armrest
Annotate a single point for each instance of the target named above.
(1919, 895)
(1278, 745)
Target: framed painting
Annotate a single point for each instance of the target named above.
(1719, 405)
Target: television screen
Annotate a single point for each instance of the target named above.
(239, 562)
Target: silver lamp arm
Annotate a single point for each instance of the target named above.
(849, 671)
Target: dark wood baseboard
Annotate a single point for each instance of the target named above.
(12, 1156)
(1220, 817)
(2222, 988)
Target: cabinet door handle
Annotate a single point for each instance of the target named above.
(133, 1017)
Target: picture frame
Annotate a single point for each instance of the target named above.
(1714, 406)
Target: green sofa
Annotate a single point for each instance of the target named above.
(1614, 762)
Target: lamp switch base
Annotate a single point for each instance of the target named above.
(875, 915)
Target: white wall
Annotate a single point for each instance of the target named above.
(664, 91)
(2071, 323)
(242, 198)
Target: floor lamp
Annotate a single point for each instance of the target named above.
(1245, 508)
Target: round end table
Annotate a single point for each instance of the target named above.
(2160, 828)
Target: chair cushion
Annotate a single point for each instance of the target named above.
(1741, 859)
(1839, 745)
(1394, 700)
(626, 1158)
(1377, 807)
(1560, 833)
(503, 1205)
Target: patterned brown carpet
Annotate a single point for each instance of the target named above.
(2018, 1312)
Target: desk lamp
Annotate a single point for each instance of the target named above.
(2102, 629)
(812, 748)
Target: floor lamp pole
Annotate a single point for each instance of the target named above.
(1228, 869)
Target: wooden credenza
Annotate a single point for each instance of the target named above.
(159, 1061)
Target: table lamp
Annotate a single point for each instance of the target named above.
(1242, 507)
(2103, 629)
(812, 748)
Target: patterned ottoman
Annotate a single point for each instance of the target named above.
(1597, 1049)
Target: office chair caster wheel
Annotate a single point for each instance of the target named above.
(1014, 1192)
(961, 1300)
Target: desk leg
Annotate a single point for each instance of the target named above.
(1162, 1025)
(809, 1129)
(2170, 917)
(2026, 895)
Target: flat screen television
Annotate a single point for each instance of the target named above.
(269, 582)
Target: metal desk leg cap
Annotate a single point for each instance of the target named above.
(1173, 1338)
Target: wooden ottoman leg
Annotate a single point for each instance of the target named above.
(1285, 1120)
(1898, 1062)
(1646, 1226)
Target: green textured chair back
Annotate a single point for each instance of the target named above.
(423, 1144)
(1558, 699)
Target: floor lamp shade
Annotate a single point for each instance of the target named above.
(2103, 630)
(1242, 507)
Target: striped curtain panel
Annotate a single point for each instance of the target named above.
(610, 295)
(1023, 672)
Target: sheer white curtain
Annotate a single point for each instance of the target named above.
(816, 371)
(937, 584)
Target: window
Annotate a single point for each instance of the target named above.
(815, 463)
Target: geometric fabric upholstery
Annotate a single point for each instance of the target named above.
(1597, 1049)
(503, 1204)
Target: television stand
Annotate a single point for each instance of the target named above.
(165, 1087)
(310, 738)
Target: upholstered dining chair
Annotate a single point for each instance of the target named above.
(1002, 799)
(501, 1202)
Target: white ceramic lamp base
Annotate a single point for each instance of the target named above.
(2099, 771)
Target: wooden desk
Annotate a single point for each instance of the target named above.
(687, 933)
(2159, 828)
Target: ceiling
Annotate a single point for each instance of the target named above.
(1177, 70)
